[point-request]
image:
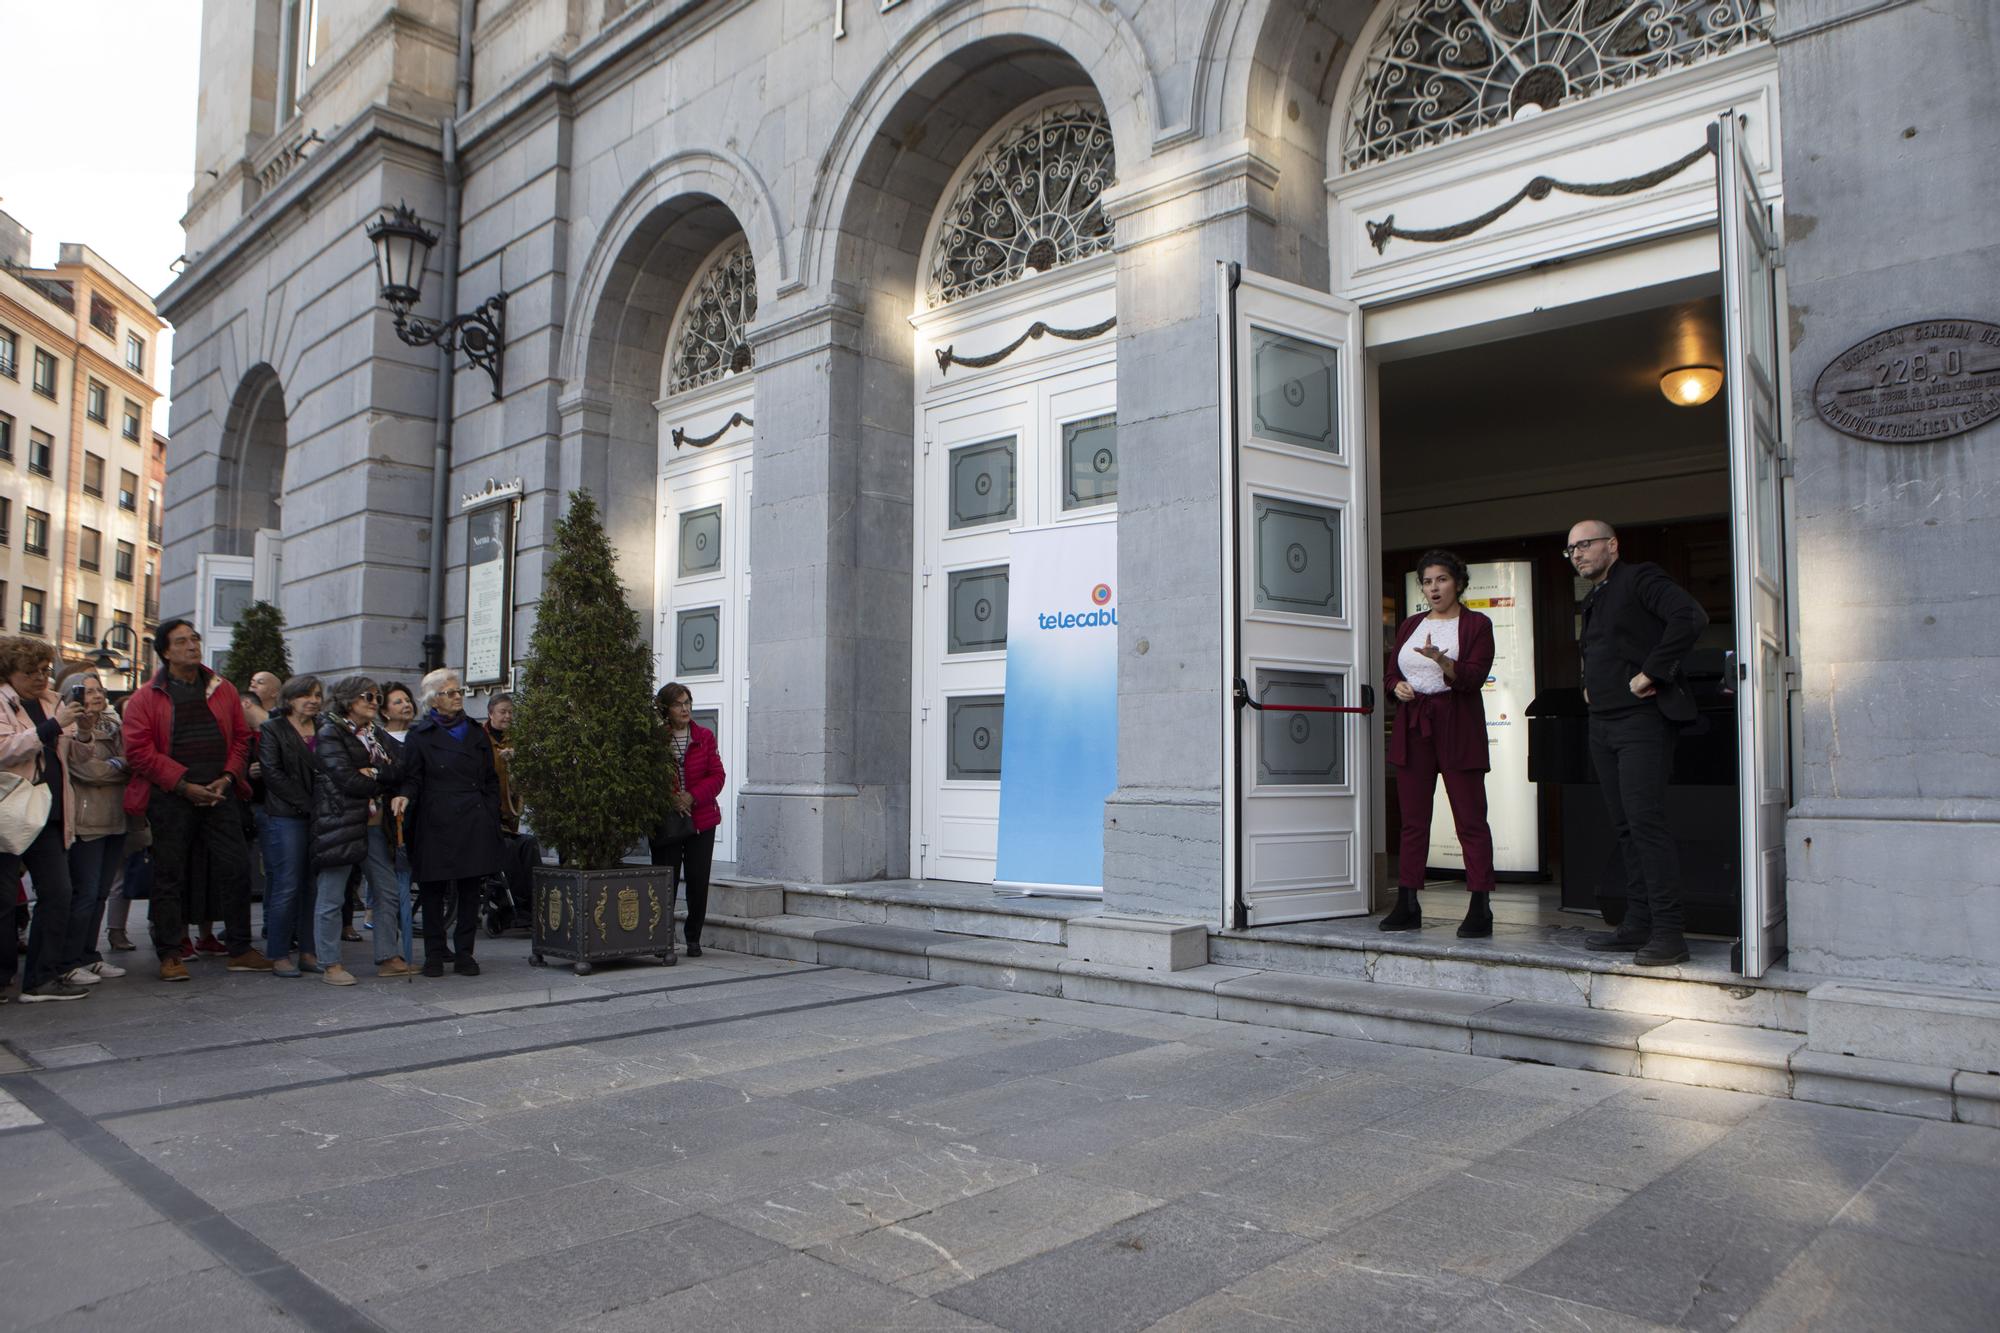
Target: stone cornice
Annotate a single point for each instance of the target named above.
(789, 337)
(1230, 178)
(341, 156)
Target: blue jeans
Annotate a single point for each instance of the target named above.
(93, 864)
(331, 893)
(287, 871)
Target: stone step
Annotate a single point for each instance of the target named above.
(900, 903)
(1572, 1036)
(1525, 967)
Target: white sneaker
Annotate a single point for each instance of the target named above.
(81, 976)
(107, 969)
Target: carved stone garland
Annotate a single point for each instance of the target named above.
(710, 341)
(1030, 203)
(1443, 68)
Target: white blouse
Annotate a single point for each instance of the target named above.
(1424, 675)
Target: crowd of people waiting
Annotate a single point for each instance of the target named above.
(172, 795)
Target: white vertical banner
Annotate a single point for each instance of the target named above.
(1502, 591)
(1059, 742)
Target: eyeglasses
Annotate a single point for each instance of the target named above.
(1569, 552)
(368, 697)
(452, 693)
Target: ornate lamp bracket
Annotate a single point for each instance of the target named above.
(481, 334)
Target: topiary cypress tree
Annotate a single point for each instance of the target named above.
(258, 644)
(588, 760)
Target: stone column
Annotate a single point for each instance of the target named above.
(1163, 824)
(826, 797)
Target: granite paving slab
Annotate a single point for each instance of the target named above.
(797, 1293)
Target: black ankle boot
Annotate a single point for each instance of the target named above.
(1408, 915)
(1478, 923)
(1665, 949)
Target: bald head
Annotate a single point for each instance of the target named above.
(266, 686)
(1592, 548)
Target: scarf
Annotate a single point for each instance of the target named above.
(455, 730)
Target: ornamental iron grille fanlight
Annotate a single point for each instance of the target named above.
(1031, 203)
(711, 340)
(1443, 68)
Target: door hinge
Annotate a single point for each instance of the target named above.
(924, 713)
(1784, 460)
(927, 446)
(927, 576)
(1791, 674)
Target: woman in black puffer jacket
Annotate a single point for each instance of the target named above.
(357, 776)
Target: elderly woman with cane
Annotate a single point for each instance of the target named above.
(450, 805)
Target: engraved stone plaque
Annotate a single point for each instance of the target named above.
(1914, 383)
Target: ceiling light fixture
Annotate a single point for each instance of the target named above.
(1690, 386)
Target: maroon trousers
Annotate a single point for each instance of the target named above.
(1416, 791)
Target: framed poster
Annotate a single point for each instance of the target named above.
(489, 587)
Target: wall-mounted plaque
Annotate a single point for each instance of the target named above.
(489, 580)
(1913, 383)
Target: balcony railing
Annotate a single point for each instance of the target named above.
(153, 533)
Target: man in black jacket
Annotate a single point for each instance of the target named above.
(1637, 626)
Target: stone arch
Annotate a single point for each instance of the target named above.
(250, 478)
(617, 343)
(949, 62)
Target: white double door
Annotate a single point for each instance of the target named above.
(1035, 453)
(703, 633)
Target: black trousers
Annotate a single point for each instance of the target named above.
(691, 858)
(464, 895)
(186, 835)
(1634, 757)
(48, 929)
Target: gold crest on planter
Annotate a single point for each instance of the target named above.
(653, 901)
(628, 908)
(555, 910)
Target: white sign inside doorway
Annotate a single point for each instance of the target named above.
(1503, 591)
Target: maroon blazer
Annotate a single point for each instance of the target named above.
(1457, 717)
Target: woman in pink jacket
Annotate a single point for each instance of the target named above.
(32, 721)
(698, 780)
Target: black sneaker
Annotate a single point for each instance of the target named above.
(1613, 941)
(466, 966)
(53, 990)
(693, 949)
(433, 967)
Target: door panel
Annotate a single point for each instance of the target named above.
(1296, 795)
(1027, 454)
(1752, 374)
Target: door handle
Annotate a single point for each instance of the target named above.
(1243, 700)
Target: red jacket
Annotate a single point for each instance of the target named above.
(1457, 718)
(149, 739)
(701, 772)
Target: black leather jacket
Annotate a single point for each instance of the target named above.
(342, 793)
(289, 770)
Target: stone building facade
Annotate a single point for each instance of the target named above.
(82, 469)
(735, 237)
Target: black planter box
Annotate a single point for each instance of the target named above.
(592, 916)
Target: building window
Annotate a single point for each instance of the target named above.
(45, 374)
(90, 550)
(3, 604)
(86, 622)
(153, 516)
(36, 540)
(134, 421)
(300, 35)
(41, 453)
(121, 567)
(128, 491)
(31, 610)
(1442, 68)
(93, 475)
(6, 438)
(103, 316)
(1031, 203)
(135, 354)
(97, 402)
(10, 351)
(711, 341)
(6, 520)
(152, 591)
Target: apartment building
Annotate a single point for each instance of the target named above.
(82, 470)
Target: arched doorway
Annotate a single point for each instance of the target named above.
(705, 448)
(1015, 430)
(251, 485)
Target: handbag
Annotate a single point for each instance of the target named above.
(24, 809)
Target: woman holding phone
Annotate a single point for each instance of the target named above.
(1439, 666)
(93, 765)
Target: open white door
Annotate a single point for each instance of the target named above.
(1296, 606)
(1758, 452)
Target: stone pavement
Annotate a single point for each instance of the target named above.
(741, 1143)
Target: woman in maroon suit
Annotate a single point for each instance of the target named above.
(1440, 663)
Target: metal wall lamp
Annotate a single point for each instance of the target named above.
(402, 248)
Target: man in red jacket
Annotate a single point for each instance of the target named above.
(189, 748)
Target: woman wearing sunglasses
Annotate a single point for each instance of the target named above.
(358, 774)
